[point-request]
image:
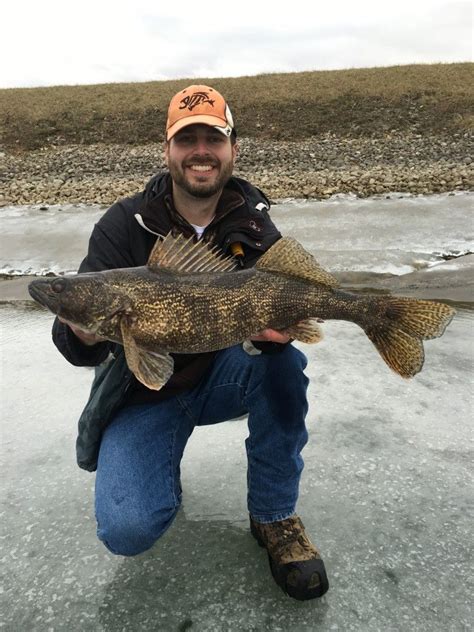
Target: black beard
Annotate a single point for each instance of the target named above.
(199, 192)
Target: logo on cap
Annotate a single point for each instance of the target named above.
(198, 105)
(197, 98)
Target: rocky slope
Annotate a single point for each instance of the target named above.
(314, 168)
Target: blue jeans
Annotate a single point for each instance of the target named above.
(138, 489)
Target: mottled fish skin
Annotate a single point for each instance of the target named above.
(173, 306)
(192, 313)
(204, 312)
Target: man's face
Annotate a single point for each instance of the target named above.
(200, 160)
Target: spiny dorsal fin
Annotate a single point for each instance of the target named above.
(183, 255)
(287, 256)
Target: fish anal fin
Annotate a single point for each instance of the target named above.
(306, 331)
(287, 256)
(151, 368)
(184, 255)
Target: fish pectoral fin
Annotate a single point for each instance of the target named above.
(287, 256)
(151, 368)
(154, 369)
(306, 331)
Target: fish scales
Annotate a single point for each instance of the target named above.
(189, 300)
(194, 313)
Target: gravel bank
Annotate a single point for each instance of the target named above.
(313, 168)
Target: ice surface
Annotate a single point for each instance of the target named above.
(40, 239)
(385, 494)
(379, 235)
(388, 479)
(395, 235)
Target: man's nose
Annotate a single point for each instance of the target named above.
(202, 146)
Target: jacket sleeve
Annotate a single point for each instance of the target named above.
(109, 247)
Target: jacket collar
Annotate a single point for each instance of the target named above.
(159, 215)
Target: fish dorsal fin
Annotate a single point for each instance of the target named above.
(287, 256)
(183, 255)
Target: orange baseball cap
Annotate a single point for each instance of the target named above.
(198, 104)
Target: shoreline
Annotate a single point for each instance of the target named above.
(314, 168)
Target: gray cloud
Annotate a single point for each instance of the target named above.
(146, 45)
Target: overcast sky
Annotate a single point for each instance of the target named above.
(53, 42)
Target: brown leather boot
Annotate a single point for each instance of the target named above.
(295, 562)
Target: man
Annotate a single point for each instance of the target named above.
(135, 437)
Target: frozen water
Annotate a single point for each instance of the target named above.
(379, 235)
(40, 240)
(386, 490)
(385, 494)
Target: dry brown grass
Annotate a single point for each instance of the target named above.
(360, 102)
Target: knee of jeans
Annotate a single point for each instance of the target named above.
(133, 533)
(294, 357)
(288, 365)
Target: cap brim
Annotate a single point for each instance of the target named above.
(204, 119)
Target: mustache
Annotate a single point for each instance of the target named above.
(200, 160)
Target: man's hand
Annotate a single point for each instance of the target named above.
(272, 335)
(85, 337)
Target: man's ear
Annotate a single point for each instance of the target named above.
(166, 150)
(235, 150)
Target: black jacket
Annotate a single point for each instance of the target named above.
(124, 237)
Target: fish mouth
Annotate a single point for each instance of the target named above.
(43, 293)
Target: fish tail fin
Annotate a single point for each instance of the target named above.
(402, 326)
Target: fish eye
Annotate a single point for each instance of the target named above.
(58, 285)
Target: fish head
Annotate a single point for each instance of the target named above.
(86, 300)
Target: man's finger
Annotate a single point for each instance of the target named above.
(85, 337)
(272, 335)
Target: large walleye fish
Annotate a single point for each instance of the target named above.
(188, 299)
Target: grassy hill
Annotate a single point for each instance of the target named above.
(371, 102)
